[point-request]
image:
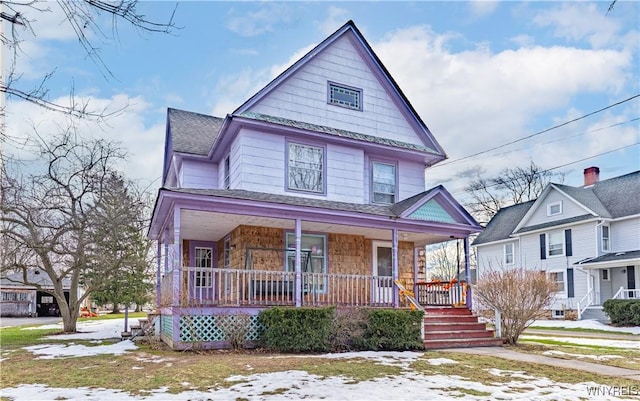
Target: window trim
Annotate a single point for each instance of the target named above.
(226, 252)
(548, 239)
(227, 172)
(504, 249)
(396, 178)
(550, 205)
(608, 238)
(203, 275)
(608, 271)
(332, 84)
(323, 147)
(325, 255)
(564, 279)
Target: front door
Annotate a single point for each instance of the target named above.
(631, 280)
(382, 272)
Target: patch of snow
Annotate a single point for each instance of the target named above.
(582, 356)
(136, 367)
(440, 361)
(585, 324)
(51, 351)
(601, 342)
(392, 358)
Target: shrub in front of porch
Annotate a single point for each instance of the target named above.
(392, 329)
(296, 329)
(623, 312)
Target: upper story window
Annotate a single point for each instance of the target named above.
(555, 244)
(383, 182)
(508, 254)
(306, 168)
(606, 239)
(345, 96)
(227, 173)
(554, 208)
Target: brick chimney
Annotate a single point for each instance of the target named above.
(591, 176)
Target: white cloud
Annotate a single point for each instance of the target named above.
(335, 19)
(483, 8)
(261, 21)
(581, 21)
(144, 143)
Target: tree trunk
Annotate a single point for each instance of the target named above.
(69, 314)
(116, 308)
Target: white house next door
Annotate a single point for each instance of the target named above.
(382, 270)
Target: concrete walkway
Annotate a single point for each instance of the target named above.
(506, 353)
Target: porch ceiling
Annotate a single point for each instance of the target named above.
(213, 226)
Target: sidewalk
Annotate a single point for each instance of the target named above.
(506, 353)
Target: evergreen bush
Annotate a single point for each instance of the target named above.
(623, 312)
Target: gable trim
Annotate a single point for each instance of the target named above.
(540, 201)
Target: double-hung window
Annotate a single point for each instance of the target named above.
(383, 182)
(203, 260)
(558, 277)
(313, 250)
(556, 243)
(306, 168)
(508, 254)
(606, 239)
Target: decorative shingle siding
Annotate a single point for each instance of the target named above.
(432, 211)
(303, 96)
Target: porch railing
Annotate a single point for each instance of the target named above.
(585, 302)
(233, 287)
(441, 293)
(625, 293)
(166, 289)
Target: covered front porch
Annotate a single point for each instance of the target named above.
(217, 262)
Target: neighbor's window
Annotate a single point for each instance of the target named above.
(345, 96)
(606, 275)
(558, 277)
(227, 167)
(203, 259)
(556, 244)
(313, 259)
(606, 239)
(306, 168)
(554, 208)
(508, 254)
(383, 183)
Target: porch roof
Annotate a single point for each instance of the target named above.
(613, 259)
(275, 208)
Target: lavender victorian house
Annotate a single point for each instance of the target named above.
(311, 193)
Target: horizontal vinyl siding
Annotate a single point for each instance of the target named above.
(625, 235)
(491, 257)
(569, 209)
(303, 97)
(199, 174)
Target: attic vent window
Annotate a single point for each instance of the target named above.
(345, 96)
(554, 209)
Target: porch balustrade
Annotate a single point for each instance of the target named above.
(234, 287)
(441, 293)
(626, 293)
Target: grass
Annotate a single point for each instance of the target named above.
(11, 337)
(629, 359)
(580, 330)
(559, 342)
(108, 316)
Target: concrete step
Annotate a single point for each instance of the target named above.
(445, 335)
(456, 326)
(463, 343)
(595, 313)
(450, 319)
(456, 311)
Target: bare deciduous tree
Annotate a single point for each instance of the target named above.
(46, 217)
(446, 261)
(519, 295)
(83, 17)
(510, 186)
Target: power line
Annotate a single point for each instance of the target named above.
(538, 133)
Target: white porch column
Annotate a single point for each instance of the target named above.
(298, 266)
(467, 271)
(159, 273)
(394, 267)
(177, 256)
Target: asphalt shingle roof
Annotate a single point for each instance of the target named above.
(192, 133)
(611, 257)
(612, 198)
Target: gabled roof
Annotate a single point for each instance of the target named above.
(192, 133)
(349, 28)
(608, 199)
(36, 276)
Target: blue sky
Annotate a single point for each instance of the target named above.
(480, 74)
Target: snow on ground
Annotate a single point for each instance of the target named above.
(585, 324)
(582, 356)
(600, 342)
(71, 350)
(295, 385)
(87, 330)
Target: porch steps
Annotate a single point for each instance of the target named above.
(595, 313)
(456, 327)
(144, 327)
